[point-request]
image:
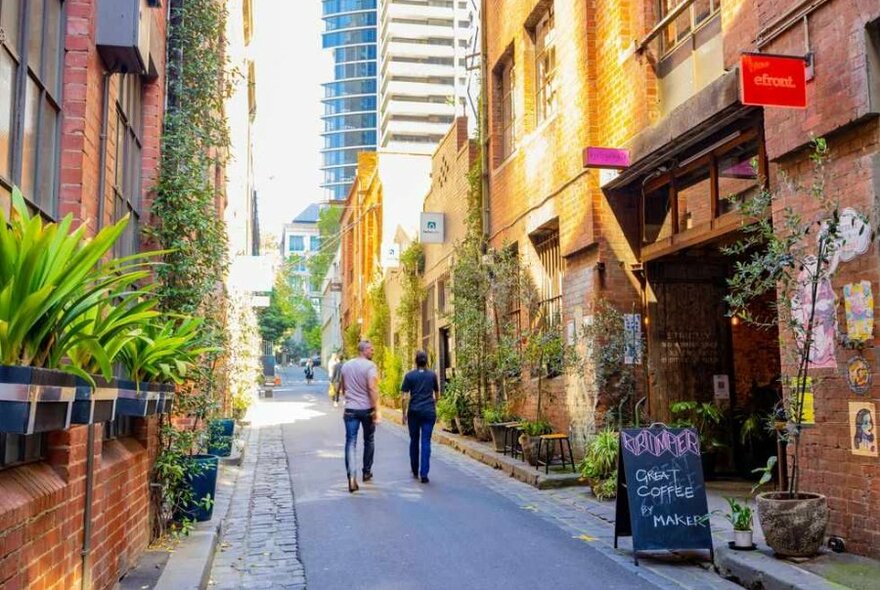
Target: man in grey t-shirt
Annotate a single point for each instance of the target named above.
(360, 385)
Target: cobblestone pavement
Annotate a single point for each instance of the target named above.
(258, 547)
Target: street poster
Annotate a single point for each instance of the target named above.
(661, 495)
(858, 303)
(858, 375)
(632, 330)
(809, 414)
(862, 425)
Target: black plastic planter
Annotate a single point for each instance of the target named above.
(94, 405)
(203, 485)
(35, 400)
(137, 399)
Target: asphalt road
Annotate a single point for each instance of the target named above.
(396, 533)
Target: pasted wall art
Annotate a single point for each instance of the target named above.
(862, 421)
(824, 321)
(858, 302)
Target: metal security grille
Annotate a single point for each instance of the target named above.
(550, 256)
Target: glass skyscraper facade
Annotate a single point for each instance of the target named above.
(350, 109)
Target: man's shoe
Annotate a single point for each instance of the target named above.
(425, 479)
(415, 474)
(352, 484)
(335, 404)
(368, 475)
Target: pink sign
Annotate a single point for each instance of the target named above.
(602, 157)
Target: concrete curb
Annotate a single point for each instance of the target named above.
(189, 567)
(757, 569)
(485, 454)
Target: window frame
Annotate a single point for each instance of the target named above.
(128, 161)
(667, 47)
(544, 37)
(24, 77)
(505, 87)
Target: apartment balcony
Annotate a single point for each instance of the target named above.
(416, 12)
(397, 127)
(396, 68)
(416, 49)
(418, 89)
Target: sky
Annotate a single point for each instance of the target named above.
(290, 67)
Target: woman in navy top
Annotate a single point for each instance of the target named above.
(420, 390)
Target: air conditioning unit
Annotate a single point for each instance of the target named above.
(123, 35)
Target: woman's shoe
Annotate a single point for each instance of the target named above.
(352, 484)
(425, 479)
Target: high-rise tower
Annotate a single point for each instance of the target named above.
(427, 70)
(350, 100)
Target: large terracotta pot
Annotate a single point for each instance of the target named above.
(793, 527)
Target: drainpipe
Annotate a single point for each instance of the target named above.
(90, 441)
(102, 154)
(484, 115)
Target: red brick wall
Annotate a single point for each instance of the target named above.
(42, 504)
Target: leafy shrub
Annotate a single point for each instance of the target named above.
(537, 427)
(600, 464)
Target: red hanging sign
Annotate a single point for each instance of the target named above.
(773, 80)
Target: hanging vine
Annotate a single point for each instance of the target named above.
(187, 224)
(412, 263)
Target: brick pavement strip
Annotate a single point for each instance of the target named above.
(259, 547)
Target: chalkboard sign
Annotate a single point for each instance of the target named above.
(661, 496)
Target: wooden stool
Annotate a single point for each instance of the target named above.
(545, 443)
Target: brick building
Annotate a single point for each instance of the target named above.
(80, 136)
(661, 80)
(449, 195)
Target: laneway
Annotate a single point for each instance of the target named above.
(396, 533)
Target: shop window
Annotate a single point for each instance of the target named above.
(505, 85)
(693, 189)
(707, 187)
(128, 157)
(31, 49)
(657, 215)
(18, 449)
(544, 35)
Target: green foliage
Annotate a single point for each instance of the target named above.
(380, 323)
(54, 289)
(351, 337)
(536, 427)
(766, 473)
(446, 409)
(329, 229)
(392, 376)
(606, 489)
(600, 460)
(740, 515)
(194, 139)
(496, 415)
(164, 351)
(606, 352)
(786, 256)
(702, 416)
(412, 265)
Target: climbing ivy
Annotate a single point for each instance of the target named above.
(380, 321)
(412, 265)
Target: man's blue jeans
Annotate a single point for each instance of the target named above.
(421, 425)
(354, 419)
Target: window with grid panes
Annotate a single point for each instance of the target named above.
(545, 66)
(687, 22)
(505, 80)
(31, 50)
(127, 171)
(549, 253)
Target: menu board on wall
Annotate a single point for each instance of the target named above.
(661, 495)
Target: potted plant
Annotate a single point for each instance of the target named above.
(740, 517)
(791, 258)
(220, 437)
(446, 413)
(497, 420)
(599, 466)
(704, 417)
(50, 276)
(530, 438)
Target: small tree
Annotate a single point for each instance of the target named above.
(412, 264)
(785, 253)
(380, 322)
